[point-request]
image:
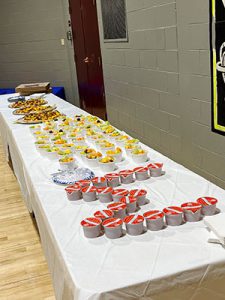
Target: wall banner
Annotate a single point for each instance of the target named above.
(217, 35)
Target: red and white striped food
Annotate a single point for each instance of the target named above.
(191, 206)
(119, 193)
(205, 201)
(116, 206)
(208, 205)
(111, 176)
(99, 181)
(84, 183)
(112, 223)
(73, 188)
(141, 169)
(128, 199)
(91, 222)
(153, 215)
(134, 219)
(103, 214)
(91, 227)
(173, 210)
(126, 173)
(89, 189)
(113, 179)
(105, 190)
(137, 193)
(155, 166)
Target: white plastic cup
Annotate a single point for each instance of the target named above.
(118, 194)
(134, 224)
(141, 173)
(208, 205)
(155, 169)
(140, 194)
(73, 192)
(174, 215)
(105, 194)
(113, 228)
(91, 227)
(154, 220)
(89, 193)
(131, 204)
(192, 211)
(119, 209)
(113, 179)
(126, 176)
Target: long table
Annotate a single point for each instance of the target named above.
(174, 263)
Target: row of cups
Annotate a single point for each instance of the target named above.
(115, 179)
(110, 220)
(89, 193)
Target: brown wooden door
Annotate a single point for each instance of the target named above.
(87, 54)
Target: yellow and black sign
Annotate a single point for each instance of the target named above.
(217, 33)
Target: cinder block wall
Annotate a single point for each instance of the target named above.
(158, 84)
(30, 48)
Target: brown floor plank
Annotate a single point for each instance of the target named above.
(23, 269)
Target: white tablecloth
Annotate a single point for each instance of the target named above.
(175, 263)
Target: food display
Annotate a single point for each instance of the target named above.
(28, 103)
(103, 214)
(35, 118)
(33, 109)
(75, 142)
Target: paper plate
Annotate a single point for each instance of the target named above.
(71, 177)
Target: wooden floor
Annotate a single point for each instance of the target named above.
(23, 270)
